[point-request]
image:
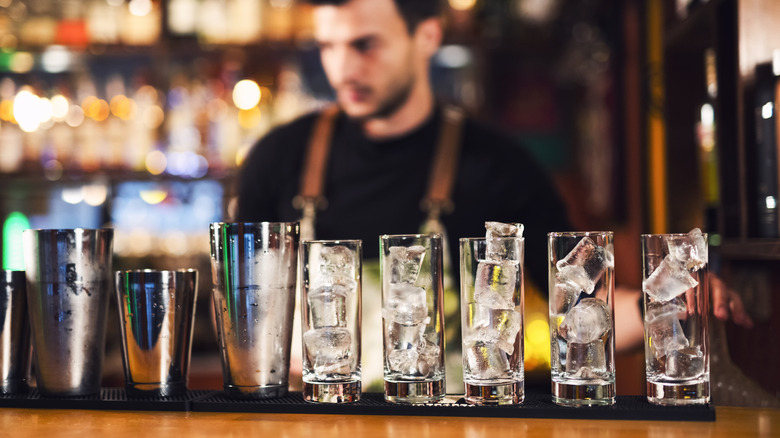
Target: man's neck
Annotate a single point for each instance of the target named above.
(412, 114)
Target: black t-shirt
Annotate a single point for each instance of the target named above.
(375, 187)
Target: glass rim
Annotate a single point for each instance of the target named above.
(411, 236)
(332, 241)
(579, 233)
(68, 230)
(477, 239)
(157, 271)
(668, 234)
(253, 223)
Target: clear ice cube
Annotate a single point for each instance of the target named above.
(403, 361)
(406, 304)
(328, 306)
(428, 358)
(591, 258)
(586, 360)
(574, 277)
(495, 284)
(485, 360)
(399, 336)
(690, 249)
(499, 326)
(685, 363)
(586, 322)
(337, 265)
(498, 250)
(665, 334)
(404, 263)
(564, 298)
(500, 229)
(329, 351)
(670, 279)
(658, 309)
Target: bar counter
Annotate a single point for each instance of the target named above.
(731, 422)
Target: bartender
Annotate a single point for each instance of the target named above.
(390, 159)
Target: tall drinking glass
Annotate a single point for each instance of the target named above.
(675, 293)
(582, 323)
(331, 323)
(254, 268)
(413, 317)
(491, 285)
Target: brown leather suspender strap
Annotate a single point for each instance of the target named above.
(310, 197)
(440, 182)
(444, 167)
(316, 160)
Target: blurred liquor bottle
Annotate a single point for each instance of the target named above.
(708, 153)
(765, 152)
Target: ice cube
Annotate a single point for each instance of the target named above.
(328, 306)
(329, 351)
(500, 229)
(406, 304)
(670, 279)
(404, 263)
(664, 335)
(586, 360)
(403, 361)
(337, 265)
(589, 256)
(496, 284)
(690, 249)
(498, 249)
(657, 309)
(586, 322)
(485, 360)
(428, 358)
(685, 363)
(564, 297)
(399, 336)
(574, 277)
(500, 326)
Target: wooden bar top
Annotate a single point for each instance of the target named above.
(731, 422)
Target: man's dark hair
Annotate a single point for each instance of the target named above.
(412, 11)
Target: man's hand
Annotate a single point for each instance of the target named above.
(727, 302)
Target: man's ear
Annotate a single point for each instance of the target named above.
(428, 36)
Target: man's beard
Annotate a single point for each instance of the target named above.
(391, 104)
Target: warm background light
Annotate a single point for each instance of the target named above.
(246, 94)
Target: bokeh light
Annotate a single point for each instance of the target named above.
(153, 117)
(26, 105)
(95, 194)
(7, 110)
(155, 162)
(75, 116)
(59, 107)
(153, 196)
(56, 59)
(22, 62)
(45, 110)
(122, 107)
(462, 5)
(246, 94)
(72, 195)
(140, 8)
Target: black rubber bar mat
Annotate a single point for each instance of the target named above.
(109, 399)
(534, 406)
